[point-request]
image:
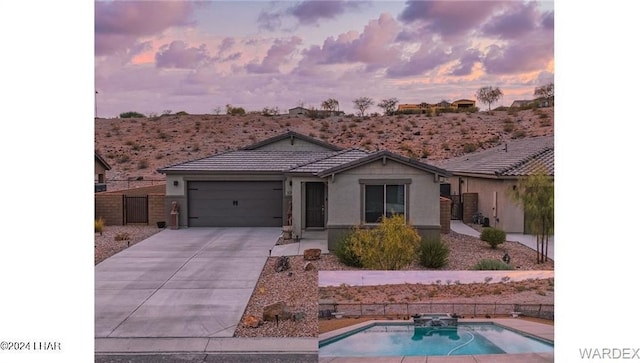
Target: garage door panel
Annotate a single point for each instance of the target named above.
(235, 204)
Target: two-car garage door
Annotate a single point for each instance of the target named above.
(235, 203)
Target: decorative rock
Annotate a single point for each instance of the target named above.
(282, 264)
(298, 316)
(279, 309)
(251, 321)
(312, 254)
(308, 266)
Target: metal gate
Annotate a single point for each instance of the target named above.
(136, 209)
(456, 207)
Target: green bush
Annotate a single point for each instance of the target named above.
(493, 236)
(131, 114)
(492, 265)
(392, 245)
(433, 253)
(98, 225)
(345, 253)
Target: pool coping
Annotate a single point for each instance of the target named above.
(537, 330)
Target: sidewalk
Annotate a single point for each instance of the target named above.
(528, 240)
(309, 239)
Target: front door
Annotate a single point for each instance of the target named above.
(314, 205)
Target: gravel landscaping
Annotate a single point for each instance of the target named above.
(299, 288)
(107, 245)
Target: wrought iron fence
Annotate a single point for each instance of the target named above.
(403, 310)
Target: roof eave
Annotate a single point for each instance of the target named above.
(292, 134)
(381, 155)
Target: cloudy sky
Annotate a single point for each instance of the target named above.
(152, 56)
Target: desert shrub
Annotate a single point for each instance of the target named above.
(124, 158)
(98, 225)
(131, 114)
(545, 122)
(491, 265)
(508, 126)
(519, 134)
(433, 253)
(493, 236)
(122, 236)
(469, 148)
(345, 253)
(143, 164)
(392, 245)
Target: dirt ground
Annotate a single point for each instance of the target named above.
(136, 147)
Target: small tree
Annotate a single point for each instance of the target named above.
(488, 95)
(271, 111)
(330, 104)
(235, 110)
(390, 246)
(545, 92)
(388, 105)
(362, 104)
(535, 194)
(131, 114)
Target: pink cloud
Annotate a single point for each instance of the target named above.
(179, 55)
(449, 18)
(278, 54)
(520, 57)
(516, 22)
(119, 24)
(373, 47)
(308, 12)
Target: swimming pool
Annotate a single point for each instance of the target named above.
(397, 339)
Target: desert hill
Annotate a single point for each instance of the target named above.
(136, 147)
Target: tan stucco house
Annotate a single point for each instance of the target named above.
(484, 178)
(100, 169)
(292, 179)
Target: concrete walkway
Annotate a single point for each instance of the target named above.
(184, 292)
(181, 283)
(525, 239)
(309, 239)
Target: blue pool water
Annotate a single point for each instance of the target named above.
(384, 339)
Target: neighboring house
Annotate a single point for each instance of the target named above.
(521, 103)
(458, 104)
(539, 102)
(313, 112)
(413, 108)
(434, 107)
(491, 173)
(101, 166)
(298, 111)
(292, 179)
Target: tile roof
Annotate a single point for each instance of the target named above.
(381, 155)
(249, 161)
(515, 158)
(331, 161)
(292, 134)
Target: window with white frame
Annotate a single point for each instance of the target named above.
(383, 200)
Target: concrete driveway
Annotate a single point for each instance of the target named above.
(192, 283)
